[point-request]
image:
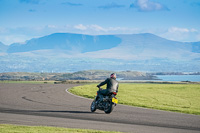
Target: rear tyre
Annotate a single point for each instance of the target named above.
(109, 107)
(93, 106)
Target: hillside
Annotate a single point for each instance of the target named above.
(66, 52)
(66, 41)
(81, 75)
(196, 47)
(131, 47)
(149, 46)
(3, 48)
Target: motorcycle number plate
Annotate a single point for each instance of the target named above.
(114, 100)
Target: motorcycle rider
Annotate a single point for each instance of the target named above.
(112, 85)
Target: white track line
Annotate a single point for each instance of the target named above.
(76, 95)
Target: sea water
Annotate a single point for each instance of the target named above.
(192, 78)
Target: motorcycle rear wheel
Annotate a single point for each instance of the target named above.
(109, 108)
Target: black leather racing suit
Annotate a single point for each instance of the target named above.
(112, 86)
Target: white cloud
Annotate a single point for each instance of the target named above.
(178, 30)
(181, 34)
(147, 5)
(51, 26)
(9, 39)
(80, 27)
(96, 29)
(194, 30)
(93, 27)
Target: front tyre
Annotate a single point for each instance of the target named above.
(109, 107)
(93, 106)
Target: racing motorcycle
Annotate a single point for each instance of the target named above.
(105, 103)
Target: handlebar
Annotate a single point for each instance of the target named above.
(99, 88)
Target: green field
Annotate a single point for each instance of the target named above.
(184, 98)
(4, 128)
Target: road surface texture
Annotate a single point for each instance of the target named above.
(51, 105)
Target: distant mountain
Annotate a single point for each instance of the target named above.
(65, 52)
(66, 41)
(149, 46)
(131, 47)
(3, 48)
(196, 47)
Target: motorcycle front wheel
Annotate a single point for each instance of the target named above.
(93, 106)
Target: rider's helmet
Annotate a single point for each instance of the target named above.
(113, 75)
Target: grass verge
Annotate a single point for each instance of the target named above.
(5, 128)
(184, 98)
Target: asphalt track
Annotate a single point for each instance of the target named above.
(51, 105)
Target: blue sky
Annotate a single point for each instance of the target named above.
(21, 20)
